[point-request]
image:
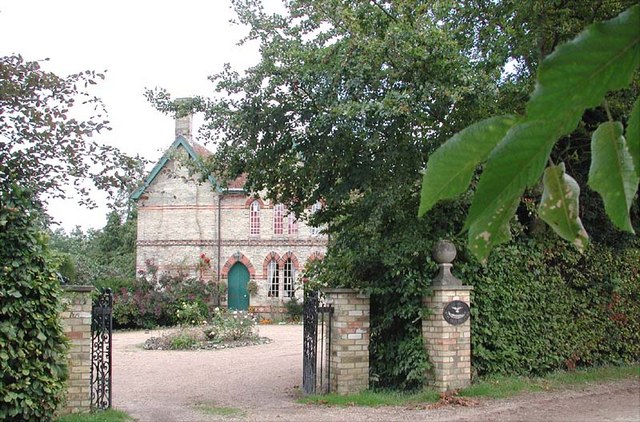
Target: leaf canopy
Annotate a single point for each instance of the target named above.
(517, 162)
(578, 74)
(451, 167)
(575, 77)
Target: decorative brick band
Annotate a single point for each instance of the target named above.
(177, 207)
(235, 242)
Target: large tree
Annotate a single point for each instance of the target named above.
(45, 144)
(47, 123)
(347, 103)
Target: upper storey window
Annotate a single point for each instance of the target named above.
(254, 218)
(278, 217)
(315, 231)
(293, 224)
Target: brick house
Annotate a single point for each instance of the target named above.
(221, 235)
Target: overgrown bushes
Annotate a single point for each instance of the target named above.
(32, 342)
(158, 301)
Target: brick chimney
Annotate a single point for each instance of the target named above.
(183, 124)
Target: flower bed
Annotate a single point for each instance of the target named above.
(227, 329)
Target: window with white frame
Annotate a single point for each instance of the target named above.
(278, 217)
(315, 231)
(289, 278)
(293, 224)
(273, 278)
(254, 218)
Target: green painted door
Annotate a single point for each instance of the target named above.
(238, 295)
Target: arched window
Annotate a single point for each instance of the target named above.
(293, 224)
(289, 278)
(254, 218)
(273, 278)
(315, 231)
(278, 214)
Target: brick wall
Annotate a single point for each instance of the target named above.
(349, 355)
(76, 320)
(448, 346)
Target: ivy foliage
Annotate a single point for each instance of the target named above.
(575, 77)
(32, 342)
(540, 306)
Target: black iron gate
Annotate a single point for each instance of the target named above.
(101, 328)
(316, 372)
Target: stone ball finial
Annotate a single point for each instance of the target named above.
(444, 252)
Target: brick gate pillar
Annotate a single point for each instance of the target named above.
(76, 321)
(349, 354)
(447, 328)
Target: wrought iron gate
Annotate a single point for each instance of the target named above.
(101, 328)
(316, 372)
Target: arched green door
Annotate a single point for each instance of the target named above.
(238, 295)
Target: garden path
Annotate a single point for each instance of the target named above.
(263, 382)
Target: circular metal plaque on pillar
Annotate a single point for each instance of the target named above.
(456, 312)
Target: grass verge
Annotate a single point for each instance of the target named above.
(370, 398)
(209, 409)
(110, 415)
(500, 387)
(490, 387)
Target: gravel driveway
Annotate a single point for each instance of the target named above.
(263, 383)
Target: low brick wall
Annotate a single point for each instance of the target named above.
(448, 346)
(76, 320)
(349, 358)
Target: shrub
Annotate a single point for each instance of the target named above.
(185, 339)
(32, 342)
(294, 309)
(230, 325)
(192, 313)
(147, 303)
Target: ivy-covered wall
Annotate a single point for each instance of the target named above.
(540, 306)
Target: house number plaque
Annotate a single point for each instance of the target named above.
(456, 312)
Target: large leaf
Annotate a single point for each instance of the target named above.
(492, 229)
(451, 167)
(612, 174)
(633, 135)
(578, 74)
(559, 206)
(515, 164)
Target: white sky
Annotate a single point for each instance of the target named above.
(142, 44)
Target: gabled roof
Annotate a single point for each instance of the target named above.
(195, 151)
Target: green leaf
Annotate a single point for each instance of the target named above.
(451, 167)
(492, 229)
(612, 174)
(633, 135)
(559, 206)
(578, 74)
(515, 164)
